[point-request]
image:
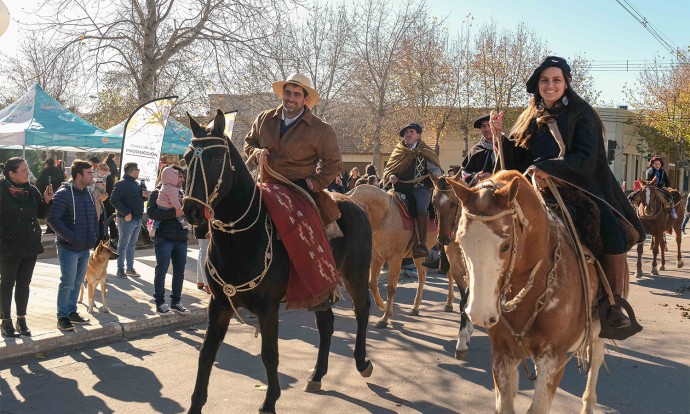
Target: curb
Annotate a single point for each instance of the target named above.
(89, 335)
(160, 323)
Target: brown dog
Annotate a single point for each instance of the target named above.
(97, 272)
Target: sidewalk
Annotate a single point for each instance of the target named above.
(130, 302)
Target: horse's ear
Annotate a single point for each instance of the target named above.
(219, 124)
(513, 188)
(509, 192)
(460, 189)
(434, 179)
(197, 130)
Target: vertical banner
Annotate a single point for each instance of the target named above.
(143, 137)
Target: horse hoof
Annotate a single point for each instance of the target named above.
(662, 267)
(366, 372)
(655, 272)
(680, 264)
(381, 325)
(448, 308)
(104, 309)
(461, 355)
(638, 274)
(414, 312)
(382, 308)
(312, 386)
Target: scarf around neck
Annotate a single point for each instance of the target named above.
(402, 157)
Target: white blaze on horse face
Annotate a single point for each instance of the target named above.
(647, 192)
(481, 245)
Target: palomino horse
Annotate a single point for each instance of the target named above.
(391, 244)
(656, 220)
(220, 189)
(523, 289)
(447, 208)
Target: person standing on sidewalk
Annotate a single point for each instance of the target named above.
(21, 205)
(128, 200)
(687, 214)
(52, 176)
(73, 217)
(170, 243)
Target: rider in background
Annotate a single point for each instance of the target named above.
(479, 162)
(408, 171)
(579, 160)
(656, 169)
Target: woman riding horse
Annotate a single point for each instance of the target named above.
(656, 170)
(560, 135)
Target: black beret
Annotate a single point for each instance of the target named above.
(549, 62)
(478, 121)
(412, 125)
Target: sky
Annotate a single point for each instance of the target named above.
(601, 30)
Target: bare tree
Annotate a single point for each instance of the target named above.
(153, 42)
(58, 72)
(583, 81)
(380, 39)
(504, 61)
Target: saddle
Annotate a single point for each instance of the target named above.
(328, 209)
(401, 201)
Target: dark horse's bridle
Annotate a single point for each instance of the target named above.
(196, 165)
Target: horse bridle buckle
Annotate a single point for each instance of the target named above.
(198, 151)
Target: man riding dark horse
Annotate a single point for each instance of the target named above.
(291, 140)
(408, 171)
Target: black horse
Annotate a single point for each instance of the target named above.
(220, 186)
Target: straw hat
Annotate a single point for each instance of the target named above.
(300, 80)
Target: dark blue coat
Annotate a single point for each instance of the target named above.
(73, 217)
(127, 198)
(169, 227)
(584, 164)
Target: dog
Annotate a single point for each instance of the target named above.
(97, 272)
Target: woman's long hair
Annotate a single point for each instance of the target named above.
(536, 115)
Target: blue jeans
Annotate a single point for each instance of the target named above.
(685, 221)
(129, 234)
(167, 250)
(72, 272)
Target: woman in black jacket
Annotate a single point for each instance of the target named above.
(560, 135)
(21, 205)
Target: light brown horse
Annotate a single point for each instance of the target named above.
(524, 289)
(656, 221)
(391, 243)
(448, 209)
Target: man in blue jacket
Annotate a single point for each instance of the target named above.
(73, 217)
(128, 200)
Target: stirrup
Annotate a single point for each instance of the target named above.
(419, 251)
(608, 331)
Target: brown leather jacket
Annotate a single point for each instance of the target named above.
(295, 154)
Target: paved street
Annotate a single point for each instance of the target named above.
(414, 368)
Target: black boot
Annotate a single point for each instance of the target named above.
(615, 268)
(22, 328)
(8, 330)
(420, 249)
